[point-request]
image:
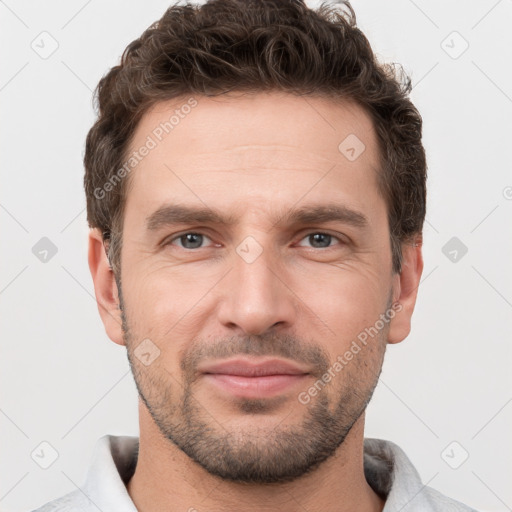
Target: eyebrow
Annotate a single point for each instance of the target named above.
(169, 215)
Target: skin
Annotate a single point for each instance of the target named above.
(255, 157)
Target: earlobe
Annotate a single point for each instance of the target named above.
(406, 289)
(105, 287)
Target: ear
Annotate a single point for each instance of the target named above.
(105, 287)
(405, 289)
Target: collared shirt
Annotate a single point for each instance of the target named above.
(387, 469)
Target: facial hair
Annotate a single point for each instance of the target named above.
(256, 455)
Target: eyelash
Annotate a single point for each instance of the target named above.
(177, 237)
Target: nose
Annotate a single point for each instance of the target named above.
(256, 297)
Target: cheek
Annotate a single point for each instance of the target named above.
(168, 301)
(160, 290)
(347, 298)
(163, 305)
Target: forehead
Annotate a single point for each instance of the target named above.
(265, 147)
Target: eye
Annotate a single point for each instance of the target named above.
(189, 240)
(193, 240)
(321, 240)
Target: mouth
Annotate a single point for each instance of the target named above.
(247, 378)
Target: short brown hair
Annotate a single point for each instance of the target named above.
(256, 45)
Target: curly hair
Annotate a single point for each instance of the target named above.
(251, 46)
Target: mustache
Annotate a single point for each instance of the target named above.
(282, 345)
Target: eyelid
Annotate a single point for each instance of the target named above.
(171, 238)
(343, 239)
(303, 234)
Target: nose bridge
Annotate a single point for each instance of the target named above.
(255, 298)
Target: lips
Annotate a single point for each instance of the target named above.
(248, 368)
(244, 378)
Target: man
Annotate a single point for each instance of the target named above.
(256, 190)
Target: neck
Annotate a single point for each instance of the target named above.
(167, 479)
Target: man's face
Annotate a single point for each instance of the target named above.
(268, 287)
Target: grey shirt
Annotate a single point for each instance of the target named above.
(387, 470)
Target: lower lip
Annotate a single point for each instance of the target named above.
(255, 387)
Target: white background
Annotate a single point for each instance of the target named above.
(63, 381)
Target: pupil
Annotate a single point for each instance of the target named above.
(190, 238)
(318, 236)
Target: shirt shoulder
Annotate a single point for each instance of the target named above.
(393, 476)
(112, 465)
(73, 501)
(443, 503)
